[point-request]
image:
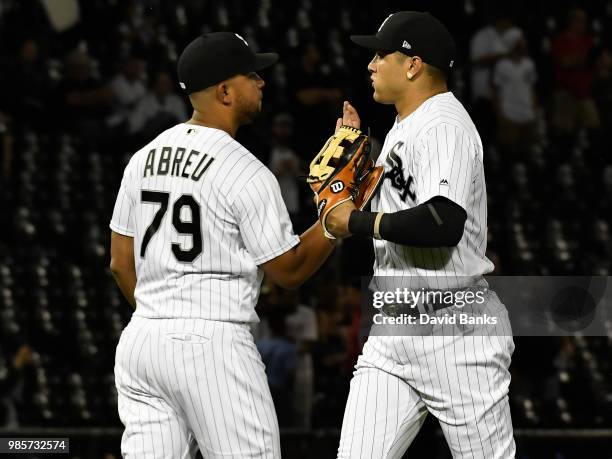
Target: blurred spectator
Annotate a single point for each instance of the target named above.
(514, 77)
(285, 163)
(141, 32)
(63, 14)
(573, 106)
(85, 100)
(317, 99)
(487, 46)
(280, 357)
(356, 331)
(567, 193)
(25, 85)
(330, 355)
(128, 87)
(12, 385)
(160, 109)
(267, 305)
(302, 330)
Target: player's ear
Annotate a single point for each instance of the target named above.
(222, 93)
(413, 67)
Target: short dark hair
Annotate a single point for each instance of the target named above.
(401, 56)
(438, 75)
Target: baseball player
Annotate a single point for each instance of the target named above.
(197, 222)
(429, 224)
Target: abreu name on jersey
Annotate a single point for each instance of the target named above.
(176, 162)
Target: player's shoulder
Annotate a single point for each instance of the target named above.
(442, 109)
(234, 166)
(227, 151)
(238, 165)
(230, 157)
(255, 176)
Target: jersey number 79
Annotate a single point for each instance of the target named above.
(183, 227)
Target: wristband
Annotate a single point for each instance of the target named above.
(376, 232)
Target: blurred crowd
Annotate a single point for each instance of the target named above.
(96, 80)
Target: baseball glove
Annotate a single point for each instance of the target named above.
(343, 170)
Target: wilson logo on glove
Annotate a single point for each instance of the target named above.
(343, 170)
(337, 186)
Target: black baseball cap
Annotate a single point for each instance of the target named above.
(217, 56)
(415, 34)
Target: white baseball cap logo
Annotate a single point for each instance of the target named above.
(245, 42)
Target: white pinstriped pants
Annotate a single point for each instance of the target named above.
(185, 384)
(462, 380)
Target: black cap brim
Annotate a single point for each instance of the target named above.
(264, 60)
(370, 42)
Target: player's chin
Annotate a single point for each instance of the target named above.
(380, 97)
(252, 115)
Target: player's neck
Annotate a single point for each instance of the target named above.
(213, 121)
(410, 102)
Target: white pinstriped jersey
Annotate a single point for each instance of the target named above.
(204, 213)
(403, 374)
(436, 150)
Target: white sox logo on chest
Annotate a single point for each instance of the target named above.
(396, 174)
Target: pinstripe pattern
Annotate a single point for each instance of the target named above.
(244, 222)
(194, 379)
(462, 380)
(439, 143)
(174, 390)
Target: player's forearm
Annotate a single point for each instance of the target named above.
(126, 280)
(436, 223)
(294, 267)
(313, 250)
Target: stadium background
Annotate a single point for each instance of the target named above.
(83, 84)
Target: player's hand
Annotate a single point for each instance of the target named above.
(350, 117)
(337, 220)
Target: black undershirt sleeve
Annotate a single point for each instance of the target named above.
(438, 222)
